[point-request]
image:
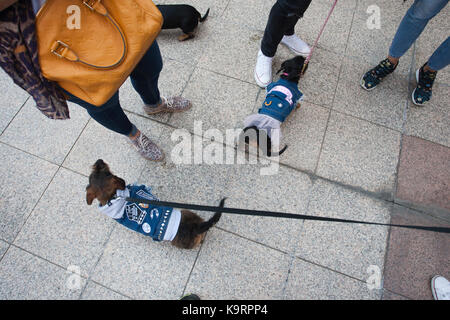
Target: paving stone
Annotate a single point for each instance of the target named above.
(26, 277)
(311, 282)
(97, 142)
(221, 109)
(415, 256)
(140, 268)
(173, 79)
(384, 105)
(372, 45)
(347, 248)
(303, 132)
(423, 174)
(387, 295)
(94, 291)
(230, 267)
(335, 34)
(431, 121)
(233, 53)
(360, 154)
(24, 178)
(49, 139)
(63, 228)
(285, 191)
(252, 14)
(12, 99)
(3, 247)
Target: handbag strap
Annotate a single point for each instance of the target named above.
(63, 50)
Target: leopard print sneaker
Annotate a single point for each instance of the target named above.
(172, 104)
(146, 148)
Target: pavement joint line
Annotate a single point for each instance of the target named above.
(29, 153)
(113, 290)
(76, 140)
(316, 167)
(193, 267)
(294, 248)
(32, 210)
(91, 272)
(405, 118)
(15, 115)
(46, 260)
(396, 293)
(388, 239)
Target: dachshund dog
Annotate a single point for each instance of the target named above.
(263, 128)
(181, 16)
(183, 228)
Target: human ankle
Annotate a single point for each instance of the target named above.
(426, 68)
(135, 135)
(393, 60)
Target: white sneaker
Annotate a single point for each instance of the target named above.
(440, 288)
(263, 70)
(297, 45)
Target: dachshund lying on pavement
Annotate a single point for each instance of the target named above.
(181, 16)
(281, 99)
(183, 228)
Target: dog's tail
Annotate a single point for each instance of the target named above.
(205, 226)
(205, 16)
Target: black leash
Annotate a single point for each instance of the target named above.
(276, 214)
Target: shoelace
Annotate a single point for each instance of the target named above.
(168, 103)
(144, 142)
(381, 70)
(426, 81)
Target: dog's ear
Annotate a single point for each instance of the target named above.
(91, 194)
(119, 183)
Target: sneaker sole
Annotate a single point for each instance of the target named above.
(168, 111)
(412, 94)
(259, 82)
(433, 287)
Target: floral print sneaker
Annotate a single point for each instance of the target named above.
(422, 93)
(172, 104)
(146, 148)
(374, 76)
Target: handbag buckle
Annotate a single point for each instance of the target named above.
(58, 47)
(91, 3)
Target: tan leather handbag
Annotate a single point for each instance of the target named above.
(90, 47)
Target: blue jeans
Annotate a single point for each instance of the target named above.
(144, 79)
(412, 25)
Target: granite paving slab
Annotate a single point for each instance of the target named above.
(24, 180)
(24, 276)
(360, 154)
(423, 174)
(63, 228)
(231, 267)
(351, 249)
(415, 256)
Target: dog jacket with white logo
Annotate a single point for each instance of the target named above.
(144, 218)
(282, 97)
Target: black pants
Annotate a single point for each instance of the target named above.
(282, 19)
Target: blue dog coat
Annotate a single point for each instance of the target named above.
(159, 223)
(282, 97)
